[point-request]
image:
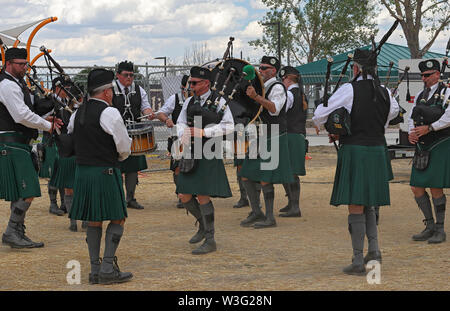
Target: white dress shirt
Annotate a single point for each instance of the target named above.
(11, 96)
(440, 124)
(343, 97)
(277, 96)
(169, 105)
(112, 123)
(145, 104)
(290, 96)
(226, 125)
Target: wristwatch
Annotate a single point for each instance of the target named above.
(430, 128)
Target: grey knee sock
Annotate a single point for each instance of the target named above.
(269, 196)
(62, 195)
(113, 235)
(131, 180)
(439, 209)
(253, 195)
(52, 193)
(18, 211)
(68, 199)
(94, 240)
(425, 206)
(357, 229)
(192, 207)
(371, 228)
(207, 211)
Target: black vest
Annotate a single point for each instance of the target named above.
(7, 123)
(368, 117)
(135, 102)
(93, 146)
(177, 110)
(435, 135)
(296, 116)
(280, 119)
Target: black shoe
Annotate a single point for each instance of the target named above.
(268, 223)
(55, 210)
(355, 270)
(63, 208)
(179, 204)
(438, 237)
(198, 237)
(241, 203)
(115, 276)
(252, 218)
(15, 241)
(73, 228)
(292, 213)
(21, 232)
(134, 204)
(372, 256)
(424, 235)
(93, 278)
(207, 247)
(285, 209)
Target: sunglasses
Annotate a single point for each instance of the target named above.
(264, 67)
(128, 75)
(194, 83)
(19, 63)
(426, 75)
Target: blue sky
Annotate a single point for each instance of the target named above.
(104, 32)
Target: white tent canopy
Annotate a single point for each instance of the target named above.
(9, 36)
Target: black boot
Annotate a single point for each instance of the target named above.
(425, 206)
(253, 195)
(287, 189)
(243, 199)
(209, 245)
(14, 235)
(131, 180)
(54, 209)
(357, 229)
(109, 269)
(193, 207)
(294, 200)
(269, 196)
(439, 235)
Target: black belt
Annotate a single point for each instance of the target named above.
(14, 139)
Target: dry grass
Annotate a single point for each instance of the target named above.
(299, 254)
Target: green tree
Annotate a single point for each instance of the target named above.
(431, 16)
(313, 29)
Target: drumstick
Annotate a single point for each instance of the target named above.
(145, 116)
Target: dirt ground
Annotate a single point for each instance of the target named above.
(304, 253)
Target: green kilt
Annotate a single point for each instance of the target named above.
(64, 174)
(133, 164)
(98, 194)
(437, 174)
(361, 176)
(51, 157)
(18, 178)
(297, 152)
(208, 178)
(251, 168)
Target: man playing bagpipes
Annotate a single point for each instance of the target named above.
(205, 118)
(361, 179)
(429, 130)
(19, 125)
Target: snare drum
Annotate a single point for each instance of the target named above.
(143, 137)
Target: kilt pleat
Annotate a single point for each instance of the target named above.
(362, 176)
(98, 196)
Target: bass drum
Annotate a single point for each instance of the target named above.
(244, 109)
